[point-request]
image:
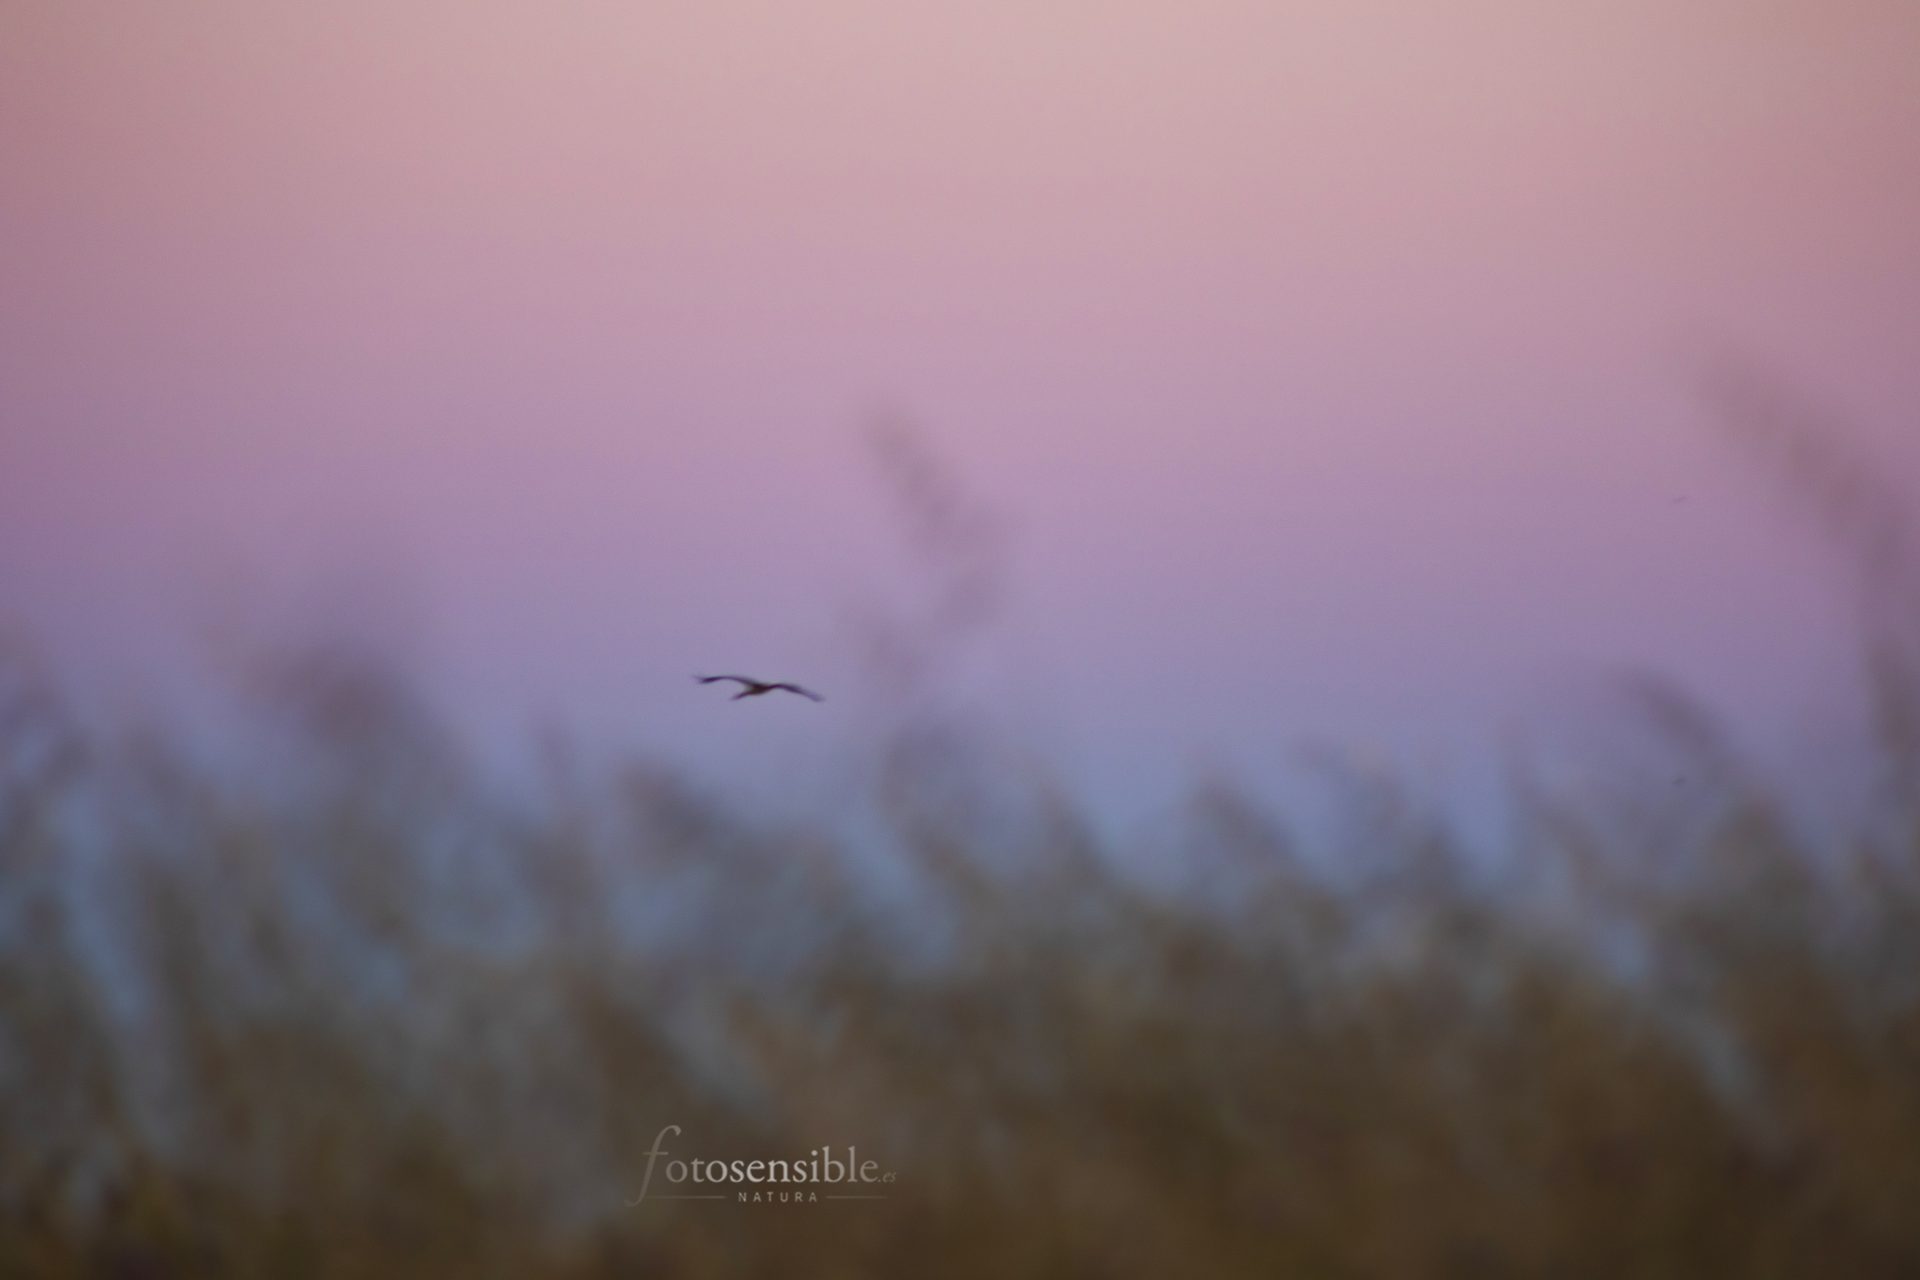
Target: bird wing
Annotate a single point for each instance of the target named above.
(794, 688)
(712, 679)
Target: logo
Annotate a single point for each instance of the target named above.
(824, 1173)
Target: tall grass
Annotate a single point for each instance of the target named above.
(378, 1021)
(354, 1011)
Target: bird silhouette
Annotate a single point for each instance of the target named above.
(750, 688)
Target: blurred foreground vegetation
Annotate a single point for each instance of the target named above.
(347, 1005)
(351, 1011)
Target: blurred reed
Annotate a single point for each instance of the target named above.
(357, 1012)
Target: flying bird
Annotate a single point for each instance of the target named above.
(754, 688)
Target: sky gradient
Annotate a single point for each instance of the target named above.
(1327, 368)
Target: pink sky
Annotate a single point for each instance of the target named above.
(1327, 362)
